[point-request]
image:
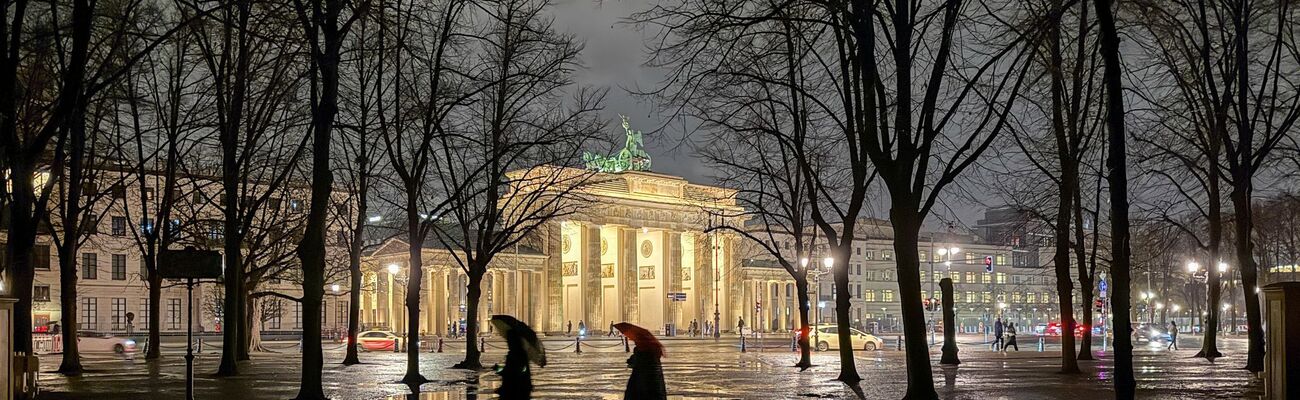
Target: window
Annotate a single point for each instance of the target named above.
(1016, 297)
(886, 255)
(274, 203)
(173, 314)
(196, 197)
(340, 311)
(119, 226)
(90, 225)
(956, 276)
(1001, 259)
(1016, 279)
(857, 250)
(119, 191)
(859, 268)
(1002, 277)
(89, 313)
(858, 290)
(146, 193)
(295, 205)
(174, 228)
(924, 255)
(938, 276)
(970, 297)
(970, 258)
(119, 267)
(146, 226)
(41, 293)
(988, 297)
(89, 266)
(118, 313)
(871, 255)
(869, 295)
(41, 257)
(144, 312)
(1031, 297)
(970, 277)
(888, 295)
(297, 315)
(986, 278)
(273, 311)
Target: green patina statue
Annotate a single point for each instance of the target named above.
(631, 158)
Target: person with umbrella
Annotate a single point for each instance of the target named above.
(522, 347)
(647, 379)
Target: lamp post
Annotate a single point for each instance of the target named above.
(947, 253)
(335, 290)
(817, 273)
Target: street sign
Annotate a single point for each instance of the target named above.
(676, 296)
(1102, 286)
(189, 264)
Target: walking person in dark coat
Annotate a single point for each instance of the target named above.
(522, 347)
(1173, 336)
(740, 326)
(647, 379)
(998, 342)
(569, 331)
(1011, 337)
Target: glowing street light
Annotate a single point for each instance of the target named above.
(392, 269)
(1193, 267)
(1223, 267)
(334, 288)
(828, 262)
(803, 262)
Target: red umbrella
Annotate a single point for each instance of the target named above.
(645, 341)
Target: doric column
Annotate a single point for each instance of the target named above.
(628, 274)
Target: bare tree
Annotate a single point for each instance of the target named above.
(253, 89)
(325, 29)
(504, 171)
(1117, 166)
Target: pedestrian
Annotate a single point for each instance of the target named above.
(647, 378)
(998, 342)
(611, 329)
(1173, 336)
(568, 331)
(740, 325)
(522, 347)
(1011, 337)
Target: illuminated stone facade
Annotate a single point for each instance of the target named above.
(638, 237)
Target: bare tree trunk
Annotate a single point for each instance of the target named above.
(234, 345)
(949, 320)
(415, 265)
(907, 233)
(473, 292)
(805, 349)
(1117, 164)
(1241, 194)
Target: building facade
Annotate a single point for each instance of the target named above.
(639, 250)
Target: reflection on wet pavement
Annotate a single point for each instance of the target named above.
(693, 369)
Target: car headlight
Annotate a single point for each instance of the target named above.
(1155, 333)
(129, 342)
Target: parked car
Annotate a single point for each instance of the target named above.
(96, 342)
(828, 338)
(1054, 329)
(377, 340)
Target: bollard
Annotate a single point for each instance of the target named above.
(440, 344)
(900, 342)
(794, 344)
(626, 348)
(1040, 344)
(742, 343)
(577, 343)
(397, 345)
(200, 345)
(482, 344)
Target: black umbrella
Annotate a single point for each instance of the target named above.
(508, 326)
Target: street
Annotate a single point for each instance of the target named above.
(694, 369)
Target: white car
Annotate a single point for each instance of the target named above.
(827, 337)
(96, 342)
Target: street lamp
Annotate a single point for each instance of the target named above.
(335, 289)
(392, 269)
(1223, 267)
(1193, 267)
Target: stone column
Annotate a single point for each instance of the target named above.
(552, 289)
(673, 272)
(590, 271)
(628, 268)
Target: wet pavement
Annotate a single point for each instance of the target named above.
(694, 369)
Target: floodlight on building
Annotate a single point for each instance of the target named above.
(392, 269)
